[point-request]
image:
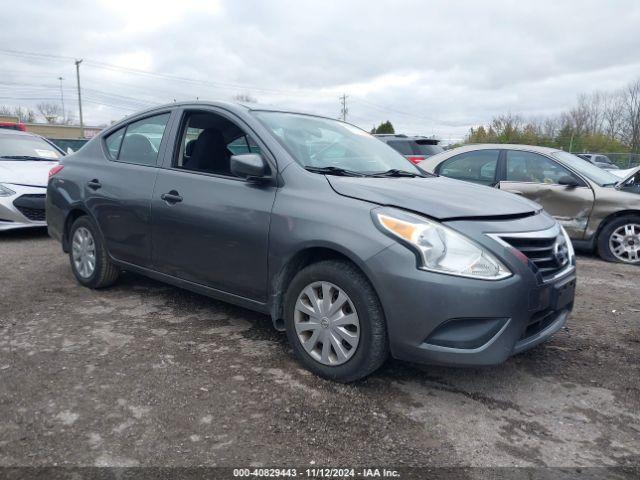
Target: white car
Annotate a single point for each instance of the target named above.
(630, 179)
(624, 173)
(25, 161)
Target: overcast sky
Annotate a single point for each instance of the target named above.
(431, 67)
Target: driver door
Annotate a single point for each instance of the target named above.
(536, 177)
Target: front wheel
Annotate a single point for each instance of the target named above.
(89, 259)
(619, 240)
(334, 321)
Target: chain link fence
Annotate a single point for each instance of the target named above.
(622, 160)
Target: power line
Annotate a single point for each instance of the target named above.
(165, 76)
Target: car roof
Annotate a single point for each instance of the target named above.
(504, 146)
(400, 137)
(10, 131)
(233, 107)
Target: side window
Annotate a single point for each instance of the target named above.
(243, 144)
(478, 167)
(113, 142)
(142, 139)
(533, 168)
(208, 141)
(403, 147)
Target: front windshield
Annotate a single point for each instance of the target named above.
(12, 147)
(321, 142)
(589, 170)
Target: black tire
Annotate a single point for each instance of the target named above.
(105, 273)
(604, 250)
(372, 349)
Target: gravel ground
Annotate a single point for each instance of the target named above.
(147, 374)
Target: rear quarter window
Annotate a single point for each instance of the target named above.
(113, 142)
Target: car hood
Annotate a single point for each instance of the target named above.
(437, 197)
(625, 175)
(31, 173)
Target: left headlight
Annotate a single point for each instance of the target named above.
(5, 191)
(439, 248)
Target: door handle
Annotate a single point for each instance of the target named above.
(94, 184)
(171, 198)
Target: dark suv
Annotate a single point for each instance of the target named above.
(348, 247)
(414, 149)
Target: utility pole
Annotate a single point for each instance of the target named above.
(571, 143)
(64, 116)
(78, 62)
(344, 110)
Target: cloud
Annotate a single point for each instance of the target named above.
(433, 67)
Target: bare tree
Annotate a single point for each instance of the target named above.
(25, 115)
(506, 126)
(577, 119)
(593, 107)
(50, 111)
(632, 116)
(613, 113)
(550, 127)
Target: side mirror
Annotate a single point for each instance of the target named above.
(250, 166)
(69, 150)
(568, 181)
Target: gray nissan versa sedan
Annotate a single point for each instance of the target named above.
(347, 246)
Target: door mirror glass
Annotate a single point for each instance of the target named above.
(249, 166)
(568, 181)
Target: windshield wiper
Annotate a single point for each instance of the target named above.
(394, 172)
(28, 157)
(334, 171)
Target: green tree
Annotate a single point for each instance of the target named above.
(384, 127)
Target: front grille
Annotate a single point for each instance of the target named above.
(547, 252)
(31, 206)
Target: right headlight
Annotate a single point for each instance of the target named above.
(440, 248)
(5, 191)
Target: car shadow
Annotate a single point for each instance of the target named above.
(24, 234)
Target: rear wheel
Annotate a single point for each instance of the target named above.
(334, 321)
(90, 262)
(619, 240)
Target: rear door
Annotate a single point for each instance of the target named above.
(210, 227)
(119, 188)
(478, 166)
(536, 177)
